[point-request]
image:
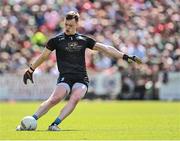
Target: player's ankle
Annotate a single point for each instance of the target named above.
(35, 116)
(57, 121)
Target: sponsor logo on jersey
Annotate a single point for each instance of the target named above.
(73, 46)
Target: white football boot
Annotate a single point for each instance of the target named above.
(53, 128)
(19, 128)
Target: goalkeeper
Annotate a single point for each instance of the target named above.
(70, 49)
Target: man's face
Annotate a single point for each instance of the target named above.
(70, 26)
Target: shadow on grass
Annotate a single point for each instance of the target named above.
(74, 130)
(66, 130)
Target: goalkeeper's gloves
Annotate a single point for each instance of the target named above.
(131, 59)
(28, 75)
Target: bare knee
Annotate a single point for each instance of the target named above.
(54, 100)
(57, 95)
(78, 92)
(75, 98)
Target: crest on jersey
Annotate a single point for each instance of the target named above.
(73, 46)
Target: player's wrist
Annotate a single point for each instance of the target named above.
(125, 57)
(31, 69)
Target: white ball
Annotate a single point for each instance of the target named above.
(29, 123)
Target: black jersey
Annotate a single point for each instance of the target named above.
(70, 52)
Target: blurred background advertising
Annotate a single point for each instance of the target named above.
(149, 29)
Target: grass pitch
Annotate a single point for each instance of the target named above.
(97, 120)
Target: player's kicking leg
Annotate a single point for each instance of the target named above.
(78, 92)
(61, 90)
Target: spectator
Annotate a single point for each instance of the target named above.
(146, 28)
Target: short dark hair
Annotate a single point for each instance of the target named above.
(72, 15)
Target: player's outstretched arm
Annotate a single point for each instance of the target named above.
(29, 73)
(116, 53)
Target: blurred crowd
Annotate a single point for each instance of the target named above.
(149, 29)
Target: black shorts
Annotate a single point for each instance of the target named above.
(72, 79)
